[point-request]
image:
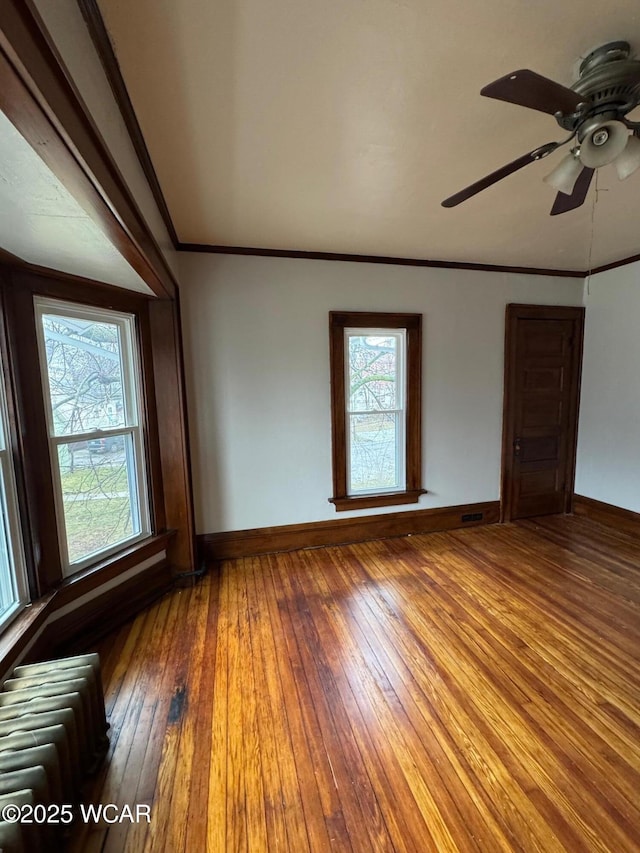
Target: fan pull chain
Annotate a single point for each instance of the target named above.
(591, 238)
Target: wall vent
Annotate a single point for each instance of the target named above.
(53, 733)
(472, 516)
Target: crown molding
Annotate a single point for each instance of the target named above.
(613, 265)
(375, 259)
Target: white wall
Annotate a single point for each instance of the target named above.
(608, 465)
(257, 365)
(67, 28)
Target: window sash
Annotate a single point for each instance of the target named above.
(400, 358)
(399, 457)
(132, 401)
(129, 366)
(399, 335)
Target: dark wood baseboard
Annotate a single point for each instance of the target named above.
(614, 516)
(78, 630)
(88, 619)
(342, 531)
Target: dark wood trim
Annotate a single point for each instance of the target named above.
(383, 499)
(20, 633)
(171, 413)
(375, 259)
(608, 514)
(14, 440)
(104, 48)
(379, 319)
(150, 419)
(51, 283)
(414, 405)
(40, 98)
(399, 261)
(19, 264)
(341, 531)
(95, 576)
(82, 627)
(338, 413)
(32, 438)
(574, 413)
(121, 603)
(7, 259)
(515, 312)
(338, 321)
(623, 262)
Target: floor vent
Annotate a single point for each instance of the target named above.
(53, 733)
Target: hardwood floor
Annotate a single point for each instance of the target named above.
(476, 690)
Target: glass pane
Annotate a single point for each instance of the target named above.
(373, 456)
(99, 494)
(8, 592)
(373, 381)
(84, 370)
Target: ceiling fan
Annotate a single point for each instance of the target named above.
(593, 111)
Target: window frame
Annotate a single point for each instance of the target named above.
(133, 397)
(9, 508)
(339, 322)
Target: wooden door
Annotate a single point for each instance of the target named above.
(543, 358)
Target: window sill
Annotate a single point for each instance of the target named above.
(17, 635)
(93, 576)
(21, 630)
(384, 499)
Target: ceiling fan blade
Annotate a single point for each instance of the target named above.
(528, 89)
(499, 174)
(564, 203)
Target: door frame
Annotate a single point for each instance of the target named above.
(514, 313)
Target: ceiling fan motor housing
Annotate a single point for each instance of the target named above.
(609, 82)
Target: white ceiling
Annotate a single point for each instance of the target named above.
(340, 125)
(42, 223)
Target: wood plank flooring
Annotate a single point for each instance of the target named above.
(476, 690)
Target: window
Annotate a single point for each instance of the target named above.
(92, 397)
(13, 586)
(376, 408)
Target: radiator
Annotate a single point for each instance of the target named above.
(53, 734)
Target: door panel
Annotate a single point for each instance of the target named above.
(539, 449)
(543, 378)
(541, 412)
(540, 482)
(542, 372)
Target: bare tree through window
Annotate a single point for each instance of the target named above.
(374, 405)
(90, 424)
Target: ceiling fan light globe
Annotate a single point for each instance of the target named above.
(628, 161)
(565, 174)
(603, 144)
